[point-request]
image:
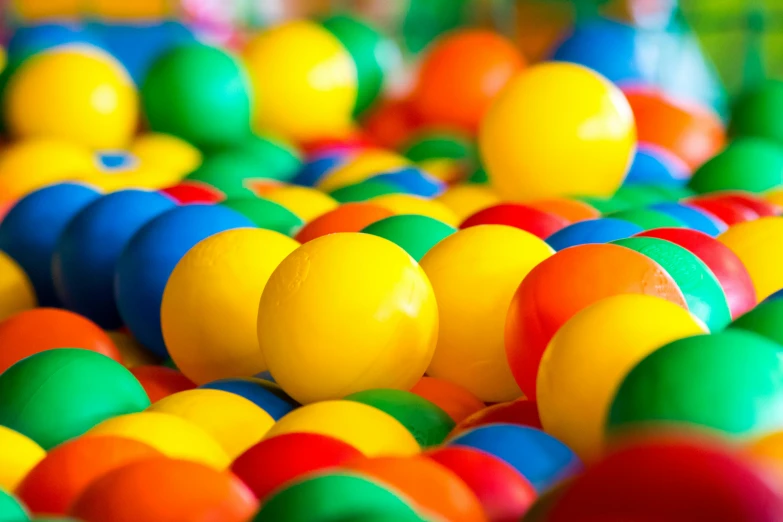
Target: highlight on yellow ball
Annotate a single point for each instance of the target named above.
(588, 358)
(304, 81)
(233, 421)
(166, 153)
(364, 165)
(210, 304)
(344, 313)
(16, 290)
(77, 93)
(173, 436)
(558, 129)
(474, 274)
(759, 245)
(467, 199)
(18, 455)
(370, 430)
(307, 203)
(410, 204)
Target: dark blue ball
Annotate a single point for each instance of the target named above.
(265, 394)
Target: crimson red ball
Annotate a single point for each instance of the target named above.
(191, 192)
(537, 222)
(730, 212)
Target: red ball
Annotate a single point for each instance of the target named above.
(188, 192)
(720, 259)
(160, 381)
(523, 412)
(761, 207)
(503, 492)
(273, 462)
(730, 212)
(537, 222)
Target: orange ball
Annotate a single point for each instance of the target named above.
(452, 398)
(570, 209)
(461, 75)
(162, 490)
(160, 381)
(67, 470)
(351, 217)
(33, 331)
(392, 123)
(432, 489)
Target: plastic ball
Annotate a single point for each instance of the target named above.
(692, 218)
(18, 456)
(361, 167)
(307, 203)
(56, 395)
(187, 86)
(474, 274)
(273, 463)
(728, 170)
(265, 394)
(452, 398)
(754, 112)
(729, 382)
(279, 158)
(160, 382)
(351, 217)
(171, 435)
(566, 283)
(152, 254)
(504, 493)
(412, 180)
(231, 172)
(655, 165)
(755, 202)
(304, 79)
(364, 191)
(540, 458)
(219, 281)
(189, 192)
(318, 166)
(28, 40)
(723, 263)
(571, 210)
(11, 509)
(85, 259)
(63, 474)
(757, 245)
(461, 75)
(647, 218)
(767, 451)
(410, 204)
(16, 289)
(34, 331)
(385, 335)
(164, 151)
(466, 200)
(591, 231)
(370, 430)
(764, 320)
(415, 234)
(522, 412)
(266, 214)
(158, 490)
(555, 156)
(727, 212)
(539, 223)
(426, 421)
(95, 103)
(335, 496)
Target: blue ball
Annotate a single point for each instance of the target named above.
(117, 160)
(32, 39)
(86, 256)
(151, 255)
(602, 230)
(537, 456)
(656, 166)
(30, 231)
(314, 170)
(265, 394)
(691, 217)
(413, 181)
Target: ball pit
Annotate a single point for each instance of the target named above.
(416, 234)
(160, 382)
(265, 394)
(522, 411)
(751, 242)
(452, 398)
(20, 455)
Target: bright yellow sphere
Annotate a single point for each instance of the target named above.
(465, 200)
(307, 203)
(18, 455)
(410, 204)
(370, 430)
(75, 93)
(304, 81)
(210, 304)
(362, 166)
(233, 421)
(16, 290)
(588, 358)
(138, 177)
(759, 245)
(166, 152)
(345, 313)
(558, 129)
(171, 435)
(475, 273)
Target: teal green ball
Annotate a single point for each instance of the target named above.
(750, 164)
(766, 320)
(413, 233)
(364, 190)
(266, 214)
(757, 113)
(648, 219)
(11, 510)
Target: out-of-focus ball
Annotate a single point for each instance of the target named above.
(766, 320)
(754, 112)
(160, 382)
(410, 204)
(415, 234)
(11, 508)
(751, 164)
(572, 210)
(692, 217)
(19, 454)
(361, 167)
(265, 394)
(522, 412)
(759, 247)
(266, 214)
(452, 398)
(654, 165)
(166, 152)
(305, 202)
(466, 200)
(591, 231)
(16, 289)
(540, 223)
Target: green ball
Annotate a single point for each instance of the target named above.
(266, 214)
(751, 164)
(440, 145)
(671, 193)
(364, 190)
(200, 94)
(56, 395)
(703, 294)
(231, 172)
(373, 54)
(765, 320)
(413, 233)
(638, 196)
(605, 205)
(380, 517)
(276, 158)
(648, 219)
(479, 176)
(325, 498)
(731, 382)
(11, 510)
(428, 423)
(757, 113)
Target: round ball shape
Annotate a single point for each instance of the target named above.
(265, 394)
(729, 169)
(540, 223)
(691, 217)
(167, 152)
(753, 112)
(351, 217)
(522, 411)
(413, 233)
(757, 244)
(452, 398)
(410, 204)
(266, 214)
(11, 509)
(602, 230)
(765, 320)
(160, 381)
(16, 291)
(18, 456)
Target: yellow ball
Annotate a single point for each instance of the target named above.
(558, 129)
(370, 430)
(466, 200)
(410, 204)
(233, 421)
(588, 358)
(18, 455)
(305, 202)
(210, 304)
(167, 153)
(344, 313)
(16, 290)
(304, 81)
(173, 436)
(75, 93)
(475, 273)
(759, 245)
(138, 177)
(361, 167)
(31, 164)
